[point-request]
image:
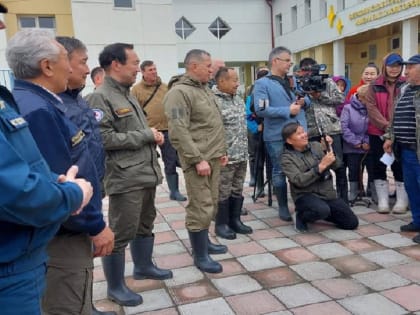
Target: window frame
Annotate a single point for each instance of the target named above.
(226, 27)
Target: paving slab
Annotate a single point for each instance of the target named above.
(371, 304)
(299, 294)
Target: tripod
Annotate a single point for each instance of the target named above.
(261, 157)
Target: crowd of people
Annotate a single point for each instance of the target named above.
(62, 153)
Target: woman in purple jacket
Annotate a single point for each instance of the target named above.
(354, 124)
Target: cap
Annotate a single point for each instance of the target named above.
(3, 8)
(414, 60)
(393, 59)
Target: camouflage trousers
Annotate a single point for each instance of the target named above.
(232, 178)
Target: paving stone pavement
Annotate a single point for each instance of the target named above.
(372, 270)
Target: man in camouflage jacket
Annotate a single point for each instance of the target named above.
(232, 177)
(196, 132)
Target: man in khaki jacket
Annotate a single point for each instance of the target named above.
(196, 132)
(150, 92)
(132, 172)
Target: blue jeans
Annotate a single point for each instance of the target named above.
(21, 293)
(411, 174)
(274, 150)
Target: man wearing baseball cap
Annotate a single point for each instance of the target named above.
(403, 136)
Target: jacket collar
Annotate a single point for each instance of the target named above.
(117, 85)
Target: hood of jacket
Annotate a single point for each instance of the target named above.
(358, 105)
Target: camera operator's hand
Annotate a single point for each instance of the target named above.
(327, 160)
(300, 101)
(294, 109)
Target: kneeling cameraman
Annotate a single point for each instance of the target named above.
(307, 167)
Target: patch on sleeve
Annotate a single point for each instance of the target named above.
(177, 113)
(75, 140)
(123, 111)
(99, 114)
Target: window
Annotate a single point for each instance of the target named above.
(323, 9)
(294, 17)
(44, 22)
(184, 28)
(219, 28)
(279, 25)
(395, 43)
(307, 12)
(372, 52)
(341, 5)
(123, 3)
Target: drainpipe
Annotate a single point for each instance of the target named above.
(270, 4)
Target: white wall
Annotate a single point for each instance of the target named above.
(248, 40)
(148, 26)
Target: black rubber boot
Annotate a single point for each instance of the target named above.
(144, 268)
(202, 260)
(222, 228)
(173, 185)
(235, 222)
(118, 291)
(97, 312)
(216, 249)
(281, 195)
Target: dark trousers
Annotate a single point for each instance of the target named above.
(353, 162)
(169, 155)
(378, 169)
(311, 208)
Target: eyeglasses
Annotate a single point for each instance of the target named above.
(285, 60)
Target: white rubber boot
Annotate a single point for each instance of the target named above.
(382, 190)
(401, 204)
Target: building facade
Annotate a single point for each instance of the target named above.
(343, 34)
(347, 34)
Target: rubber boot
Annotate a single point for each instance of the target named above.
(202, 260)
(144, 268)
(216, 249)
(251, 174)
(281, 195)
(382, 191)
(401, 204)
(172, 180)
(354, 191)
(98, 312)
(235, 222)
(118, 291)
(222, 228)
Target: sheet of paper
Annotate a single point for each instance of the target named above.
(388, 159)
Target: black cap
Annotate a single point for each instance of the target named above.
(3, 8)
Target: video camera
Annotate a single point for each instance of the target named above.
(313, 81)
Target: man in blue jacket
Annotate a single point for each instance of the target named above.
(275, 101)
(64, 135)
(33, 203)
